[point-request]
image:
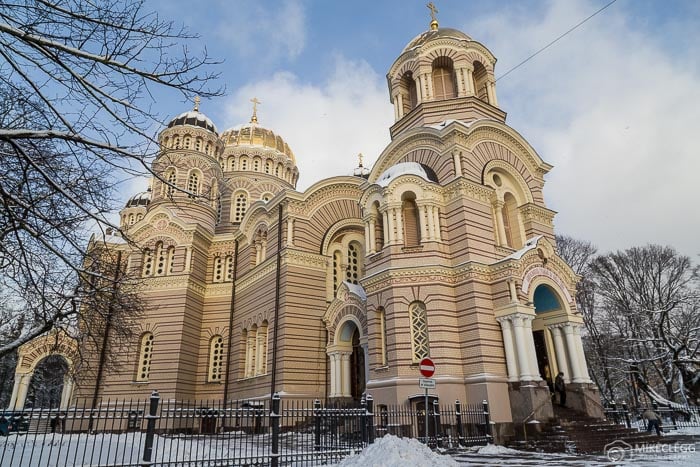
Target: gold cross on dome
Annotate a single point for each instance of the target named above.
(254, 118)
(197, 100)
(359, 156)
(433, 9)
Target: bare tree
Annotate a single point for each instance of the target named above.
(77, 79)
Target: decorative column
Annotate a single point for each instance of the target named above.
(385, 226)
(491, 90)
(511, 363)
(67, 393)
(460, 82)
(429, 78)
(399, 225)
(419, 89)
(332, 356)
(573, 353)
(372, 234)
(188, 258)
(560, 351)
(368, 242)
(532, 353)
(457, 159)
(581, 354)
(15, 391)
(436, 223)
(397, 106)
(498, 214)
(521, 347)
(345, 372)
(290, 231)
(423, 218)
(390, 226)
(22, 390)
(469, 81)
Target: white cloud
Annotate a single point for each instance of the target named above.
(616, 114)
(264, 32)
(325, 125)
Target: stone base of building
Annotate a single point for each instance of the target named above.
(530, 402)
(584, 398)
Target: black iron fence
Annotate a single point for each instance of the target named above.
(260, 432)
(673, 416)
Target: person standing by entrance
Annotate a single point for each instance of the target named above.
(560, 387)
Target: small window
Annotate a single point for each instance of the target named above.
(420, 345)
(147, 263)
(193, 184)
(218, 269)
(240, 206)
(216, 359)
(145, 357)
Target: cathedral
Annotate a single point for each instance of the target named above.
(443, 249)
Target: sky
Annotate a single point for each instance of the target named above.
(613, 105)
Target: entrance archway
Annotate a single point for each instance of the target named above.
(348, 362)
(48, 380)
(29, 357)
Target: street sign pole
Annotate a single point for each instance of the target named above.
(427, 368)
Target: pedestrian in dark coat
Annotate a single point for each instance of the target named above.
(560, 387)
(653, 421)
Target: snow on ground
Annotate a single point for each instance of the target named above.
(390, 451)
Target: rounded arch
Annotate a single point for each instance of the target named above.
(345, 330)
(503, 177)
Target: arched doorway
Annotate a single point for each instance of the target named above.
(51, 358)
(47, 383)
(347, 362)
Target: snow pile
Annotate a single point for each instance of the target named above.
(495, 450)
(390, 451)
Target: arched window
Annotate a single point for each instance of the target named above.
(218, 269)
(546, 299)
(244, 352)
(352, 271)
(216, 359)
(256, 164)
(410, 97)
(177, 142)
(261, 350)
(511, 222)
(480, 77)
(243, 163)
(139, 217)
(384, 356)
(187, 141)
(231, 163)
(250, 351)
(266, 196)
(170, 181)
(420, 345)
(268, 166)
(132, 219)
(218, 208)
(337, 270)
(143, 368)
(198, 144)
(443, 79)
(260, 245)
(240, 206)
(411, 220)
(193, 184)
(228, 267)
(171, 259)
(378, 227)
(147, 263)
(161, 260)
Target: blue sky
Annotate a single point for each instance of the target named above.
(614, 106)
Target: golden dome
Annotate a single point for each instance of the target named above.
(252, 134)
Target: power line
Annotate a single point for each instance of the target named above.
(553, 42)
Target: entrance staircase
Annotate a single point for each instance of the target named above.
(572, 431)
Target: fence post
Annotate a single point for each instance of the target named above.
(317, 425)
(458, 416)
(436, 423)
(627, 414)
(150, 428)
(363, 419)
(487, 419)
(673, 417)
(613, 406)
(275, 424)
(370, 419)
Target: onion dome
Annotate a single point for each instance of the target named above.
(194, 118)
(139, 199)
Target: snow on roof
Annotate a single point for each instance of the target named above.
(403, 168)
(357, 290)
(193, 117)
(529, 245)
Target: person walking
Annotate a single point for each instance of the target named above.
(560, 387)
(653, 421)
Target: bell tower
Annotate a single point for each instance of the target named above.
(442, 74)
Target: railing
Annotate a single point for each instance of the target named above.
(672, 416)
(261, 432)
